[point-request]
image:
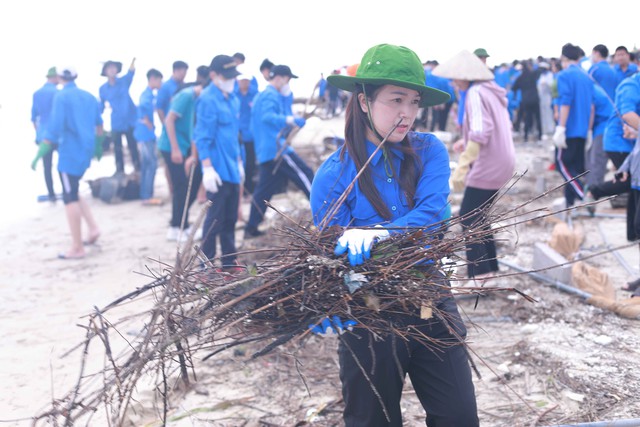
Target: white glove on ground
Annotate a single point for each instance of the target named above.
(210, 179)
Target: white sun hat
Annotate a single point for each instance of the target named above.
(464, 66)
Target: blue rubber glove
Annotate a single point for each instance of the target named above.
(334, 325)
(359, 242)
(299, 121)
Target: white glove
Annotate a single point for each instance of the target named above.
(210, 179)
(359, 242)
(560, 137)
(241, 171)
(589, 141)
(290, 120)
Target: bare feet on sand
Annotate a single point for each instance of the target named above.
(94, 235)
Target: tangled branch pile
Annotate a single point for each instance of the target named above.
(197, 311)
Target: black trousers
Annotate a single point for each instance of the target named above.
(610, 188)
(250, 167)
(481, 256)
(47, 162)
(180, 184)
(131, 144)
(441, 376)
(220, 222)
(531, 112)
(570, 163)
(291, 167)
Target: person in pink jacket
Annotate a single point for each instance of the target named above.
(487, 154)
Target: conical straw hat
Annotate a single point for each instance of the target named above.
(464, 66)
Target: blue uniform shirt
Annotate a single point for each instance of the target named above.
(603, 110)
(142, 133)
(246, 103)
(502, 77)
(605, 76)
(575, 89)
(621, 75)
(165, 93)
(627, 100)
(74, 118)
(268, 119)
(462, 96)
(216, 132)
(430, 201)
(41, 108)
(123, 110)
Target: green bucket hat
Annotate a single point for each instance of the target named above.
(387, 64)
(52, 72)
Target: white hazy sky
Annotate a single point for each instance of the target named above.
(310, 36)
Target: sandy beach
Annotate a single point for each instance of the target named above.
(550, 355)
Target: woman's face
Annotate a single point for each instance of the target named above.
(392, 104)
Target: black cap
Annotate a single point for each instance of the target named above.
(281, 70)
(225, 66)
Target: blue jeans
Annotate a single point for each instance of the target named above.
(148, 166)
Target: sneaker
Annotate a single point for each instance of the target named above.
(251, 232)
(173, 233)
(197, 235)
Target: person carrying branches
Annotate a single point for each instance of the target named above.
(387, 179)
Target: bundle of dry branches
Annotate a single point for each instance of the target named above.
(198, 311)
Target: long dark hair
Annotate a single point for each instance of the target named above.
(356, 125)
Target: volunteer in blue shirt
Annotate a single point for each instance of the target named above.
(440, 113)
(270, 119)
(145, 134)
(575, 100)
(406, 184)
(596, 158)
(169, 88)
(615, 144)
(40, 112)
(180, 156)
(75, 120)
(123, 111)
(216, 138)
(602, 72)
(246, 92)
(623, 66)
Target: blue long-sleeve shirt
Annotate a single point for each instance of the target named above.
(605, 76)
(603, 110)
(246, 104)
(165, 93)
(430, 200)
(74, 118)
(123, 110)
(575, 89)
(141, 132)
(216, 132)
(627, 100)
(41, 108)
(268, 119)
